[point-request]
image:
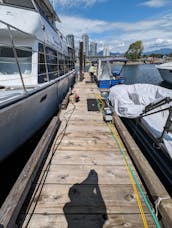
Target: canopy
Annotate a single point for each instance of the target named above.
(104, 67)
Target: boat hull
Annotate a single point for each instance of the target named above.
(21, 119)
(166, 75)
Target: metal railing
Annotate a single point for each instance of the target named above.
(51, 70)
(152, 108)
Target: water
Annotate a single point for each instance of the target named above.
(13, 165)
(140, 73)
(143, 73)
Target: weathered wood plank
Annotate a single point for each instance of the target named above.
(70, 174)
(89, 158)
(88, 128)
(86, 221)
(84, 198)
(85, 135)
(89, 144)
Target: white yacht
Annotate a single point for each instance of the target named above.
(165, 70)
(36, 69)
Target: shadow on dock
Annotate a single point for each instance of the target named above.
(87, 208)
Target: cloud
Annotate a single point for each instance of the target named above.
(76, 3)
(119, 35)
(155, 3)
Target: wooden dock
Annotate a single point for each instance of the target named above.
(84, 182)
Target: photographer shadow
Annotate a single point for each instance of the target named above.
(86, 208)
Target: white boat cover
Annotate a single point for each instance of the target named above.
(130, 101)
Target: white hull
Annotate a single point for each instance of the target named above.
(165, 71)
(21, 119)
(166, 75)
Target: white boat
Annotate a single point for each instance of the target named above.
(106, 75)
(151, 105)
(165, 71)
(36, 70)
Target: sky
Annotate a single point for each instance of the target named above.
(118, 23)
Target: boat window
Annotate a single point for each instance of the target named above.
(66, 66)
(71, 58)
(45, 12)
(8, 62)
(61, 61)
(22, 3)
(51, 57)
(42, 75)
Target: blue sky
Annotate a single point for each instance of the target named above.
(118, 23)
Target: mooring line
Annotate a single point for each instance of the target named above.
(133, 178)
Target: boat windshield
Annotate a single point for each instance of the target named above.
(20, 3)
(8, 62)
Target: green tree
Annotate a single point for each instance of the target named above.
(170, 55)
(135, 50)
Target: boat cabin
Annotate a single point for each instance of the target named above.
(36, 53)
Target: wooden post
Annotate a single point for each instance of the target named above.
(84, 62)
(81, 61)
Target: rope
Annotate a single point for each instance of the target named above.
(131, 174)
(157, 203)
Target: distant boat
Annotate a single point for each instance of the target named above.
(151, 105)
(36, 70)
(106, 77)
(165, 70)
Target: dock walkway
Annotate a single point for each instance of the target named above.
(84, 182)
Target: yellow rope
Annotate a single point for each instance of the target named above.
(131, 178)
(126, 164)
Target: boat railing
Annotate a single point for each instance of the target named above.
(168, 125)
(156, 104)
(17, 57)
(152, 108)
(10, 50)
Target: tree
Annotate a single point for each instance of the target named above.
(135, 50)
(170, 55)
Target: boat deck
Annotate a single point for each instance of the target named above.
(85, 181)
(7, 95)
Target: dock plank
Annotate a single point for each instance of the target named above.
(68, 174)
(86, 182)
(89, 158)
(85, 198)
(86, 221)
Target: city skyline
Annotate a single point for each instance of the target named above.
(118, 23)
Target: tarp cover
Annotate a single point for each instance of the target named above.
(130, 101)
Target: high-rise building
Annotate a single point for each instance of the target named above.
(106, 51)
(85, 39)
(70, 40)
(93, 49)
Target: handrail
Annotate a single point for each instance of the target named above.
(64, 62)
(16, 58)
